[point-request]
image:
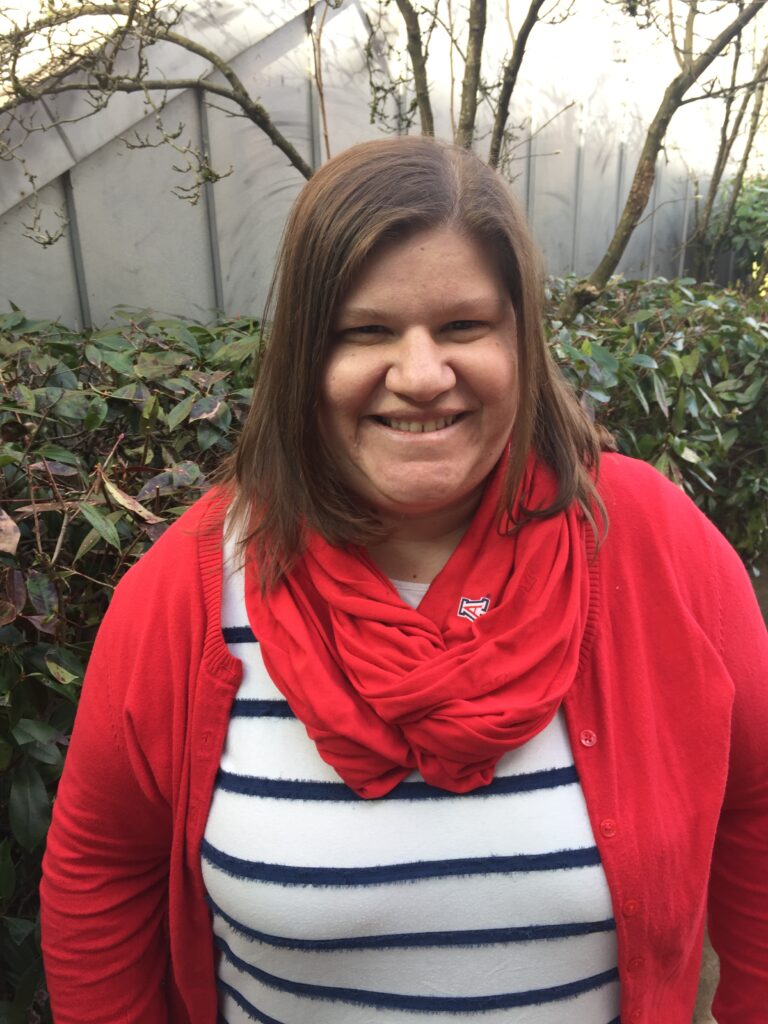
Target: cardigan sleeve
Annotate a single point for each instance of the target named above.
(738, 898)
(104, 888)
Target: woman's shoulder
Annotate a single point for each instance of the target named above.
(657, 533)
(641, 501)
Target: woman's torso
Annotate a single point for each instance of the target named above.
(422, 905)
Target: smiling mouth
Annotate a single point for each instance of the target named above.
(418, 426)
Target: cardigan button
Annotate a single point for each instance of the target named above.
(587, 738)
(608, 828)
(630, 907)
(636, 1015)
(636, 963)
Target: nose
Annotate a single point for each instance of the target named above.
(420, 369)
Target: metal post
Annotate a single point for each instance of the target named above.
(652, 230)
(529, 178)
(684, 240)
(77, 253)
(578, 185)
(619, 184)
(210, 205)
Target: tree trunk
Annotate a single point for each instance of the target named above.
(645, 172)
(468, 110)
(738, 180)
(419, 65)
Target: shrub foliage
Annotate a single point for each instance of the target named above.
(107, 436)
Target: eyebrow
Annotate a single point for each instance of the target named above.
(455, 311)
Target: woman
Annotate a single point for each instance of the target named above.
(412, 736)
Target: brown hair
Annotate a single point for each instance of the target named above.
(373, 193)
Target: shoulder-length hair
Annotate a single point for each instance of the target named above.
(283, 475)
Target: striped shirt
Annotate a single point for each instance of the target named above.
(421, 906)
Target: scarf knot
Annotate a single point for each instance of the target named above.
(479, 668)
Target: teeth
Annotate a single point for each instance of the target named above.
(414, 427)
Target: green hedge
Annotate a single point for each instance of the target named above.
(107, 436)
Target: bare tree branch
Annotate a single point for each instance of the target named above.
(511, 71)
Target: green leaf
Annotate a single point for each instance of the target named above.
(44, 753)
(596, 395)
(133, 392)
(729, 437)
(638, 393)
(27, 730)
(94, 355)
(97, 413)
(180, 412)
(677, 363)
(92, 538)
(64, 665)
(644, 360)
(235, 352)
(120, 362)
(105, 529)
(59, 454)
(205, 408)
(207, 436)
(691, 361)
(18, 929)
(660, 392)
(156, 365)
(641, 315)
(28, 806)
(42, 593)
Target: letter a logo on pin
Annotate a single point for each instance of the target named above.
(473, 607)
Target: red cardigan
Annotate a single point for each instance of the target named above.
(668, 720)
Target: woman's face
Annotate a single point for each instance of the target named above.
(420, 390)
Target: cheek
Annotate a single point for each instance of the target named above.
(343, 394)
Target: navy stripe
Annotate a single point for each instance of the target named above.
(260, 709)
(425, 1004)
(238, 635)
(245, 1006)
(382, 874)
(422, 940)
(293, 789)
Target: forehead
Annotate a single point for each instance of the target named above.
(438, 264)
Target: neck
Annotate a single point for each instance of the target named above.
(417, 547)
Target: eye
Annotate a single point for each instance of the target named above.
(463, 325)
(363, 332)
(465, 330)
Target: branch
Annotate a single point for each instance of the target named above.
(645, 171)
(717, 94)
(511, 71)
(468, 108)
(419, 65)
(145, 30)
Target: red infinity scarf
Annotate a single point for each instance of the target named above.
(384, 688)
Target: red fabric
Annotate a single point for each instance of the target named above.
(384, 688)
(667, 717)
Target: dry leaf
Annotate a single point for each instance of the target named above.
(9, 534)
(129, 503)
